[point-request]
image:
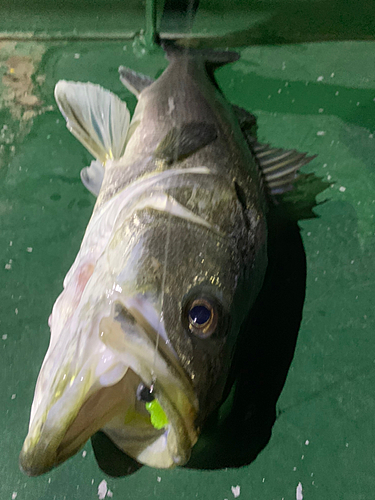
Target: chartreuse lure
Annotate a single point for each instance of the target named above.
(158, 417)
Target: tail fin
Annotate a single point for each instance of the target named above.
(212, 58)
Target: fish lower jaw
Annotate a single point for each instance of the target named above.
(151, 447)
(53, 439)
(115, 410)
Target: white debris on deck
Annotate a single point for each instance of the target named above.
(299, 495)
(102, 489)
(236, 490)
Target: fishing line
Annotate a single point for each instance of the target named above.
(161, 317)
(190, 10)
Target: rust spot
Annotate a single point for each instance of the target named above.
(19, 82)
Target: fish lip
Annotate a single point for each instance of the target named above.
(55, 442)
(51, 416)
(32, 470)
(38, 459)
(42, 453)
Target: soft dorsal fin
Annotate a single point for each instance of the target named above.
(95, 116)
(133, 81)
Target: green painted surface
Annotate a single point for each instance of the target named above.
(244, 22)
(71, 17)
(317, 98)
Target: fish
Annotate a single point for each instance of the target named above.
(144, 332)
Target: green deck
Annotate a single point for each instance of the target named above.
(316, 97)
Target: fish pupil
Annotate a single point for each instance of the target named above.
(145, 393)
(199, 315)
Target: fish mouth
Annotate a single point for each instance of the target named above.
(159, 432)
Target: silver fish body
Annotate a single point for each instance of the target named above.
(171, 262)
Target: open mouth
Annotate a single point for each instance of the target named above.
(144, 402)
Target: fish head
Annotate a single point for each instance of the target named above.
(143, 335)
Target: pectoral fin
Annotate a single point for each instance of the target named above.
(183, 141)
(92, 177)
(95, 116)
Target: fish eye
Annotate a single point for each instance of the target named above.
(202, 317)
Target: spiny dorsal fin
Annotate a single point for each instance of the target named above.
(95, 116)
(133, 81)
(279, 169)
(183, 141)
(279, 166)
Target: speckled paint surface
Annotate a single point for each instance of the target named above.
(313, 97)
